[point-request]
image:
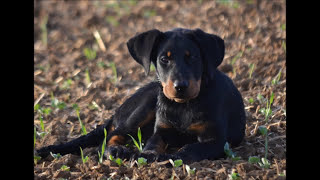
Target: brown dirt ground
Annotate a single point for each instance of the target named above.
(255, 28)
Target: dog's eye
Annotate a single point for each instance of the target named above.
(164, 60)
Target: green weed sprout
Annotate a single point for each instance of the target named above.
(176, 163)
(264, 131)
(251, 70)
(267, 111)
(65, 168)
(103, 146)
(189, 170)
(83, 128)
(66, 84)
(35, 158)
(42, 111)
(55, 156)
(89, 53)
(84, 159)
(276, 79)
(229, 153)
(253, 159)
(234, 176)
(114, 71)
(264, 163)
(118, 160)
(141, 161)
(55, 103)
(139, 146)
(234, 60)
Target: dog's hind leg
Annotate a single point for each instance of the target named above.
(92, 139)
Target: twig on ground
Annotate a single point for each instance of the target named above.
(99, 40)
(39, 98)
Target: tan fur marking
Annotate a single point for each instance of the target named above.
(192, 92)
(116, 140)
(168, 53)
(163, 125)
(150, 116)
(199, 128)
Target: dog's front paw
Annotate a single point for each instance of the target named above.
(151, 156)
(119, 151)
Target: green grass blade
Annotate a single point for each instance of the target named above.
(139, 138)
(41, 122)
(135, 142)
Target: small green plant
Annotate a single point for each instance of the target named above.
(264, 163)
(36, 159)
(234, 176)
(230, 153)
(66, 84)
(141, 161)
(176, 163)
(276, 80)
(77, 109)
(55, 103)
(103, 146)
(89, 53)
(93, 106)
(251, 100)
(264, 131)
(253, 159)
(251, 67)
(139, 146)
(189, 170)
(234, 59)
(55, 156)
(267, 110)
(42, 112)
(101, 64)
(118, 160)
(84, 159)
(41, 123)
(65, 168)
(114, 72)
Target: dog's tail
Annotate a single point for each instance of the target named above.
(94, 138)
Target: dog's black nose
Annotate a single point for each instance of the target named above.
(181, 86)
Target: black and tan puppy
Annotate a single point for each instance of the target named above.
(189, 113)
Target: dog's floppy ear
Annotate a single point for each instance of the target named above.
(141, 45)
(212, 49)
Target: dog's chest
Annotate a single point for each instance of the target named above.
(187, 117)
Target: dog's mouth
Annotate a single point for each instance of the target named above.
(191, 92)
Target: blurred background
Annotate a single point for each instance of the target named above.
(80, 57)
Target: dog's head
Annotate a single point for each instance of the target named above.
(181, 57)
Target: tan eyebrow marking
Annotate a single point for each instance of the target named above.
(168, 53)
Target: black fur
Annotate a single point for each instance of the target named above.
(189, 113)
